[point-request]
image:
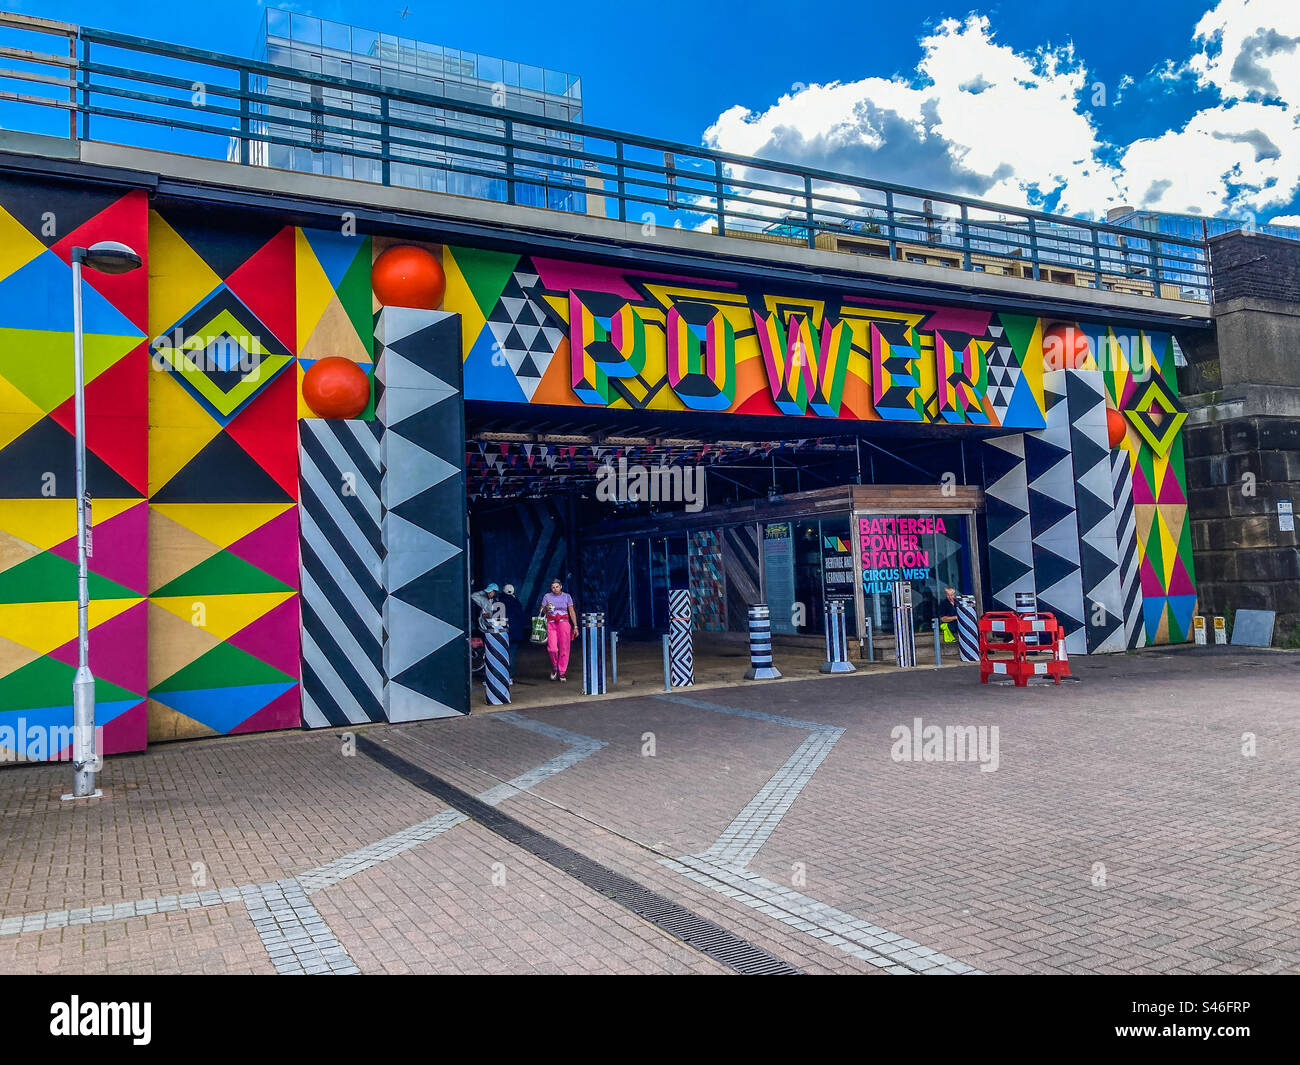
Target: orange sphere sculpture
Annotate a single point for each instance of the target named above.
(1065, 347)
(404, 276)
(1116, 427)
(335, 387)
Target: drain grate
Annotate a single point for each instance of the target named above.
(689, 927)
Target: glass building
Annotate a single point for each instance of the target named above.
(438, 160)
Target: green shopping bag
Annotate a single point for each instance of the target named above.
(539, 630)
(948, 636)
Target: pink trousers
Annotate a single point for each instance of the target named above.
(558, 636)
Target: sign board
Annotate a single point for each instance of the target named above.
(1198, 623)
(1220, 631)
(890, 548)
(837, 567)
(778, 574)
(1252, 628)
(1285, 516)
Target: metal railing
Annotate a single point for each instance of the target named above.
(134, 91)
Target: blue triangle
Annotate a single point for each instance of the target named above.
(333, 251)
(484, 380)
(1022, 412)
(52, 717)
(39, 296)
(1183, 607)
(221, 709)
(1153, 609)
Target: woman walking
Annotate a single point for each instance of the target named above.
(561, 624)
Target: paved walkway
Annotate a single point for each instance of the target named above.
(1123, 830)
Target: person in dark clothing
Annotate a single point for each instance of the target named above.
(516, 627)
(946, 612)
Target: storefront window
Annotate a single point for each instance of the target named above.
(929, 551)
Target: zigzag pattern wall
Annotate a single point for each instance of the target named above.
(192, 461)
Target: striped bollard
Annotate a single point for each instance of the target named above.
(968, 636)
(496, 662)
(593, 654)
(837, 643)
(1026, 602)
(760, 645)
(904, 634)
(681, 649)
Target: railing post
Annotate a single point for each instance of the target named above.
(622, 184)
(245, 148)
(1033, 248)
(965, 238)
(510, 160)
(889, 223)
(808, 209)
(721, 200)
(385, 147)
(1156, 273)
(84, 78)
(1096, 255)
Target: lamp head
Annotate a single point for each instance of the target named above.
(108, 257)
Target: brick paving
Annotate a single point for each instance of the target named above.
(1124, 831)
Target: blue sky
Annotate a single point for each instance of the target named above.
(1184, 105)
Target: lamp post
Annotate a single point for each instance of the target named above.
(107, 257)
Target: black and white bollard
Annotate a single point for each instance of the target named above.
(904, 634)
(760, 646)
(1026, 602)
(496, 662)
(593, 654)
(681, 648)
(968, 636)
(837, 643)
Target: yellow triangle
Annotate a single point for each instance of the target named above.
(1168, 543)
(173, 549)
(178, 276)
(314, 291)
(18, 246)
(13, 425)
(174, 644)
(460, 298)
(178, 429)
(45, 626)
(1032, 364)
(168, 724)
(221, 615)
(43, 523)
(221, 523)
(335, 334)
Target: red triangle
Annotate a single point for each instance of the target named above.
(1170, 492)
(268, 430)
(117, 421)
(273, 547)
(1179, 582)
(273, 637)
(129, 731)
(126, 221)
(265, 283)
(284, 711)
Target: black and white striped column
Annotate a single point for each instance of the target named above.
(837, 643)
(1026, 602)
(968, 637)
(593, 654)
(904, 634)
(681, 649)
(496, 659)
(760, 645)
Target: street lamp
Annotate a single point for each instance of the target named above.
(106, 257)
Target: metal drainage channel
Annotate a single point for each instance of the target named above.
(689, 927)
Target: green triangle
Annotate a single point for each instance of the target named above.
(48, 682)
(225, 666)
(1155, 556)
(48, 578)
(1167, 368)
(486, 274)
(222, 574)
(39, 363)
(1020, 331)
(355, 295)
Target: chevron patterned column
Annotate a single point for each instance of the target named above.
(1094, 506)
(341, 565)
(420, 405)
(1006, 499)
(1135, 633)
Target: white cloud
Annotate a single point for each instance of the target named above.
(983, 119)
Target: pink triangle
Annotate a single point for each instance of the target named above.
(284, 711)
(1141, 489)
(273, 547)
(119, 651)
(273, 637)
(1170, 491)
(1151, 583)
(129, 731)
(1179, 582)
(119, 548)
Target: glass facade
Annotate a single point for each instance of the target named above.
(444, 155)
